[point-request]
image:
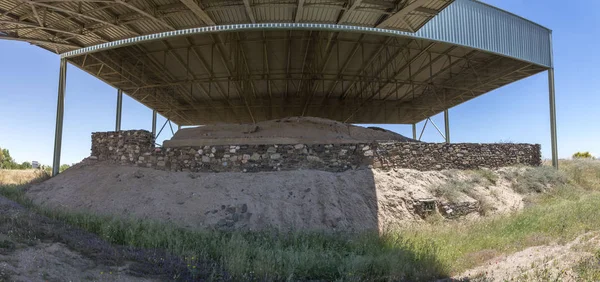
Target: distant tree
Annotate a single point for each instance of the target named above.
(26, 165)
(63, 167)
(6, 161)
(582, 155)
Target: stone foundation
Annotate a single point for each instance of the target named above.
(135, 147)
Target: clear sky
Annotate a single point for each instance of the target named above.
(517, 113)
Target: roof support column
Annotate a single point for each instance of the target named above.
(553, 118)
(60, 111)
(154, 114)
(119, 110)
(553, 139)
(447, 126)
(414, 130)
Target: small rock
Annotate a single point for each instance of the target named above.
(366, 148)
(275, 156)
(138, 174)
(299, 146)
(272, 150)
(313, 159)
(368, 153)
(205, 159)
(255, 157)
(93, 158)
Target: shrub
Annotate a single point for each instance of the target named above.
(538, 179)
(582, 155)
(489, 175)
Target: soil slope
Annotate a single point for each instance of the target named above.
(305, 199)
(305, 130)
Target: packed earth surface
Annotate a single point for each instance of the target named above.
(357, 200)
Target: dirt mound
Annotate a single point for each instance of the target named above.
(304, 199)
(293, 130)
(16, 177)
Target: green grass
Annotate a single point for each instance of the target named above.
(589, 269)
(427, 252)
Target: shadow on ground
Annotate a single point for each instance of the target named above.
(37, 248)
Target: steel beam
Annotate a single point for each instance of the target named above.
(447, 126)
(60, 110)
(119, 109)
(154, 115)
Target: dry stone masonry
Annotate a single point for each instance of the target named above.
(136, 147)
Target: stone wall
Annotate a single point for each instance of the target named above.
(135, 147)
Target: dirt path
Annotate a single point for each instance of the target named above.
(541, 263)
(36, 248)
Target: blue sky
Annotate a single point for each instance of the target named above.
(518, 112)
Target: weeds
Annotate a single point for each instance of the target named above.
(589, 269)
(452, 190)
(537, 179)
(583, 172)
(488, 175)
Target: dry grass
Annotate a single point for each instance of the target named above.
(19, 177)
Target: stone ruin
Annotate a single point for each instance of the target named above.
(137, 148)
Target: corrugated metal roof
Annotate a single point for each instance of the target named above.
(364, 73)
(114, 21)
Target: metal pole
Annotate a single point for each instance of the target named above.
(154, 124)
(553, 118)
(60, 111)
(447, 126)
(424, 126)
(414, 129)
(551, 90)
(119, 109)
(437, 128)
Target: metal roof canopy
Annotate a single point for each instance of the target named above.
(369, 61)
(251, 73)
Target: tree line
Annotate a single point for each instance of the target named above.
(7, 162)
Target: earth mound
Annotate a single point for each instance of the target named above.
(293, 130)
(354, 200)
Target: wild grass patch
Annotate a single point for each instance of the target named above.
(537, 179)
